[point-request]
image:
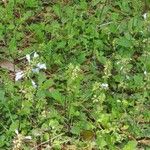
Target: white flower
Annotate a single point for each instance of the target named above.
(104, 85)
(28, 58)
(145, 72)
(19, 75)
(41, 66)
(35, 55)
(33, 84)
(145, 15)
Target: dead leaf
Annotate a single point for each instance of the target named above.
(69, 147)
(144, 142)
(87, 135)
(9, 66)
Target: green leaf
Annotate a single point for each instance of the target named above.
(31, 3)
(81, 58)
(57, 96)
(2, 93)
(46, 136)
(123, 41)
(131, 145)
(75, 130)
(95, 2)
(57, 10)
(61, 44)
(14, 126)
(47, 84)
(13, 45)
(2, 141)
(100, 141)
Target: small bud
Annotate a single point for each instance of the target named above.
(145, 16)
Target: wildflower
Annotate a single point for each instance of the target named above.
(104, 85)
(19, 139)
(41, 66)
(35, 55)
(75, 72)
(19, 75)
(32, 66)
(145, 72)
(28, 58)
(145, 16)
(33, 84)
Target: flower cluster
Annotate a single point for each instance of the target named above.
(34, 67)
(107, 69)
(19, 139)
(74, 71)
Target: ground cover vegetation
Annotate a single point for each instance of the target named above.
(74, 74)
